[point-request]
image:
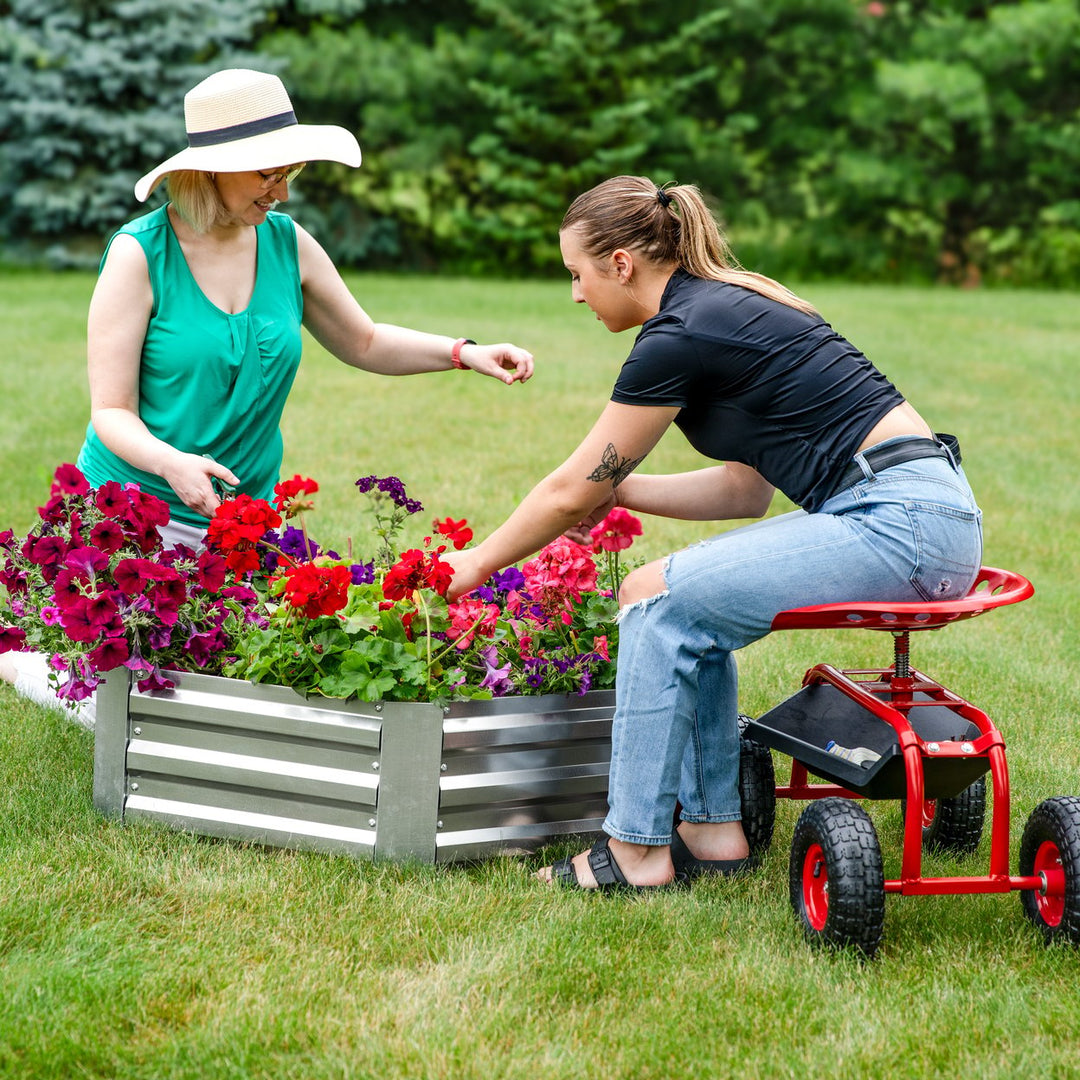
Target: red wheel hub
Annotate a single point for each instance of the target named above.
(815, 887)
(1050, 900)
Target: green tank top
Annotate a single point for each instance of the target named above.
(210, 382)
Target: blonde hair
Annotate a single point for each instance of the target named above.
(665, 224)
(195, 198)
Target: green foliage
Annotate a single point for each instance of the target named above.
(961, 154)
(92, 93)
(478, 138)
(895, 139)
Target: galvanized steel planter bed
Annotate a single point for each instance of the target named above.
(396, 780)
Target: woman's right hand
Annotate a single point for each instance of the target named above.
(470, 572)
(192, 478)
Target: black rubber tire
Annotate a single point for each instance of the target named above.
(757, 793)
(837, 884)
(1052, 837)
(957, 824)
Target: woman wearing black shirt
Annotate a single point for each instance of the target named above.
(760, 383)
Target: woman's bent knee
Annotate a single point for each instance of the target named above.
(641, 584)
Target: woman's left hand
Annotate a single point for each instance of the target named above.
(505, 362)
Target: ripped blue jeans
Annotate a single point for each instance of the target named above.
(911, 532)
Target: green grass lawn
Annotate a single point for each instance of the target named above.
(131, 951)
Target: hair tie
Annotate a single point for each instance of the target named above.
(663, 198)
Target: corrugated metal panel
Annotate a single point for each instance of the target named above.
(269, 829)
(522, 771)
(396, 780)
(262, 764)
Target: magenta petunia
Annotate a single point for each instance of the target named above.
(48, 552)
(133, 575)
(146, 511)
(76, 689)
(202, 647)
(67, 588)
(156, 680)
(69, 480)
(112, 500)
(76, 620)
(211, 570)
(55, 511)
(167, 596)
(86, 561)
(12, 639)
(111, 653)
(107, 537)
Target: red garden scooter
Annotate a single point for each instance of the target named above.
(895, 733)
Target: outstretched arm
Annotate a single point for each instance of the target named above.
(620, 440)
(343, 328)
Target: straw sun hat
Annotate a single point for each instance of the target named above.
(240, 120)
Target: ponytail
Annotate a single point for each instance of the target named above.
(666, 224)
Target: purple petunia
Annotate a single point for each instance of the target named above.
(362, 573)
(509, 580)
(496, 678)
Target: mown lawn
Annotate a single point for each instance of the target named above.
(132, 951)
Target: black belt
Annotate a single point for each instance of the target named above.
(884, 457)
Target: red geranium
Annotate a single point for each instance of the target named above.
(617, 531)
(457, 532)
(286, 495)
(317, 590)
(416, 570)
(237, 526)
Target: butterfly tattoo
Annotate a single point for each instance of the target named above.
(614, 468)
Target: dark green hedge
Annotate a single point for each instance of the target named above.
(869, 140)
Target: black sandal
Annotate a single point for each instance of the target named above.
(608, 873)
(687, 863)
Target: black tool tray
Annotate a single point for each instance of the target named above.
(802, 725)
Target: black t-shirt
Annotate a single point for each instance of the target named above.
(757, 382)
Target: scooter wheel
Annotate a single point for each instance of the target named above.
(954, 824)
(757, 793)
(836, 879)
(1050, 849)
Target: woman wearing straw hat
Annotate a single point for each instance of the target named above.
(194, 326)
(193, 336)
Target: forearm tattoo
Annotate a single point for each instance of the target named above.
(614, 468)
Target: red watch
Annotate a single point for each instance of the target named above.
(455, 352)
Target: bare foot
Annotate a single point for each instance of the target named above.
(641, 865)
(715, 840)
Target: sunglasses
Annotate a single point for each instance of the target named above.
(271, 180)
